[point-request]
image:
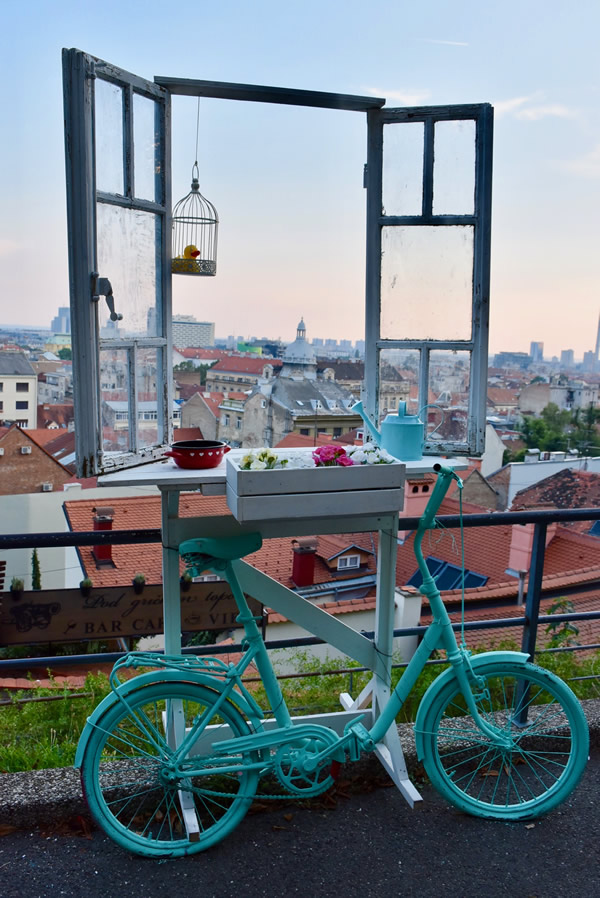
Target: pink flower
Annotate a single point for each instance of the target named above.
(330, 455)
(344, 460)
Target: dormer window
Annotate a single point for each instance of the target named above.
(348, 562)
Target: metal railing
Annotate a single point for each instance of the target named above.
(529, 621)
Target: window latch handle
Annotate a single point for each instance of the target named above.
(103, 287)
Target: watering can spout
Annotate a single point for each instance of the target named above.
(358, 407)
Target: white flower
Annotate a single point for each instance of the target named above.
(258, 465)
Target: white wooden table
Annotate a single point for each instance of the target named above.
(376, 655)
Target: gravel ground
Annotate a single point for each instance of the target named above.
(359, 839)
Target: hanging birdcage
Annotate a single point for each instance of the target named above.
(195, 226)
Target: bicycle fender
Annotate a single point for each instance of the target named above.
(441, 681)
(130, 686)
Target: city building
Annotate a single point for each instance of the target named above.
(567, 358)
(297, 400)
(512, 360)
(240, 373)
(189, 332)
(536, 351)
(26, 467)
(62, 323)
(18, 390)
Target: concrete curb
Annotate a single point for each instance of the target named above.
(43, 797)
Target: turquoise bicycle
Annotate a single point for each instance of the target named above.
(171, 759)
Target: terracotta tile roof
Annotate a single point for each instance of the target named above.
(58, 413)
(568, 488)
(43, 435)
(502, 397)
(246, 364)
(572, 558)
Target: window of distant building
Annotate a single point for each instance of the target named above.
(22, 387)
(238, 423)
(347, 562)
(22, 405)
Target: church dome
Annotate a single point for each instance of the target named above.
(300, 352)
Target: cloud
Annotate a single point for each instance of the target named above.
(535, 113)
(531, 108)
(430, 40)
(504, 107)
(587, 166)
(408, 97)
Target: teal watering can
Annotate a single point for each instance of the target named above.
(401, 435)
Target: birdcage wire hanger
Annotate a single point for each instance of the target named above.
(195, 228)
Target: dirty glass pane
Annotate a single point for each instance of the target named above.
(146, 147)
(454, 168)
(129, 256)
(403, 168)
(447, 414)
(114, 399)
(398, 380)
(146, 386)
(426, 282)
(109, 137)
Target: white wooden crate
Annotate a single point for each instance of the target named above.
(304, 493)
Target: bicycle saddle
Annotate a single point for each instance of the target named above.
(227, 548)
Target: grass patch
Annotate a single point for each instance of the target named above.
(40, 735)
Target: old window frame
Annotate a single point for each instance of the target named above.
(480, 220)
(80, 73)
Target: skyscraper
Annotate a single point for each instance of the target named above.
(536, 351)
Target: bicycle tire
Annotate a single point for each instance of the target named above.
(125, 767)
(547, 755)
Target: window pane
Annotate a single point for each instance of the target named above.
(129, 256)
(114, 393)
(109, 137)
(398, 380)
(403, 168)
(454, 168)
(447, 416)
(146, 149)
(146, 379)
(426, 283)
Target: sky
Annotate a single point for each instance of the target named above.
(287, 181)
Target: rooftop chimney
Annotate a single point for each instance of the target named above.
(103, 520)
(303, 567)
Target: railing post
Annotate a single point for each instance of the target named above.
(534, 590)
(532, 613)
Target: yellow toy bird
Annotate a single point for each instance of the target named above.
(190, 252)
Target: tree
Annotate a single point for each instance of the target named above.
(65, 354)
(36, 574)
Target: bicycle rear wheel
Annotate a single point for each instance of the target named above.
(134, 791)
(546, 752)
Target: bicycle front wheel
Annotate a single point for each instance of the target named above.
(145, 802)
(545, 742)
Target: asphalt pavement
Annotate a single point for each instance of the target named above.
(361, 839)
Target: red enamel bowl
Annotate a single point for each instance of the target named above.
(198, 453)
